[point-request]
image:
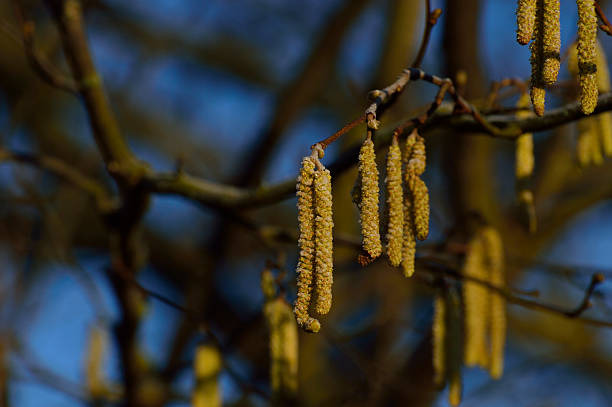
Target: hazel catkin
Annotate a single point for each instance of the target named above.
(525, 20)
(306, 245)
(524, 158)
(395, 229)
(494, 261)
(551, 41)
(283, 349)
(323, 241)
(587, 36)
(438, 340)
(206, 367)
(409, 240)
(368, 206)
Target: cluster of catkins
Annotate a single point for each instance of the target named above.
(407, 202)
(315, 242)
(594, 133)
(538, 22)
(484, 316)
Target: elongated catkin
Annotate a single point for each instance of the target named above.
(323, 241)
(438, 340)
(206, 367)
(525, 20)
(476, 301)
(94, 371)
(395, 197)
(283, 349)
(453, 346)
(524, 158)
(368, 206)
(306, 245)
(494, 255)
(409, 240)
(536, 84)
(551, 41)
(587, 36)
(418, 190)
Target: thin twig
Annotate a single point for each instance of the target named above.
(605, 27)
(431, 18)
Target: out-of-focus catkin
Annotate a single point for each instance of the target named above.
(368, 206)
(603, 85)
(283, 349)
(453, 346)
(587, 36)
(306, 245)
(94, 370)
(525, 20)
(323, 240)
(494, 261)
(438, 340)
(206, 367)
(524, 144)
(476, 300)
(395, 197)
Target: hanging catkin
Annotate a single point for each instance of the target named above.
(536, 84)
(409, 239)
(525, 20)
(368, 206)
(98, 343)
(323, 240)
(395, 228)
(418, 189)
(453, 346)
(476, 300)
(306, 245)
(438, 340)
(551, 41)
(524, 144)
(587, 36)
(494, 261)
(283, 349)
(207, 365)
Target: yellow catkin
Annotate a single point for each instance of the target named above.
(475, 297)
(525, 199)
(283, 349)
(438, 340)
(395, 197)
(603, 85)
(587, 36)
(409, 240)
(368, 206)
(551, 41)
(418, 189)
(494, 255)
(323, 240)
(453, 346)
(525, 20)
(583, 143)
(536, 84)
(306, 245)
(94, 370)
(524, 159)
(206, 367)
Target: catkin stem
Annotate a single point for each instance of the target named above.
(587, 68)
(368, 206)
(395, 229)
(323, 240)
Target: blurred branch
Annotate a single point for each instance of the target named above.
(431, 18)
(39, 63)
(605, 27)
(64, 171)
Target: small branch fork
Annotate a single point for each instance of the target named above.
(606, 26)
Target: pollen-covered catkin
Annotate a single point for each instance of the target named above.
(551, 41)
(587, 36)
(494, 261)
(283, 349)
(525, 20)
(323, 241)
(524, 159)
(368, 207)
(418, 190)
(206, 367)
(409, 240)
(536, 84)
(475, 297)
(306, 245)
(438, 340)
(395, 197)
(98, 343)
